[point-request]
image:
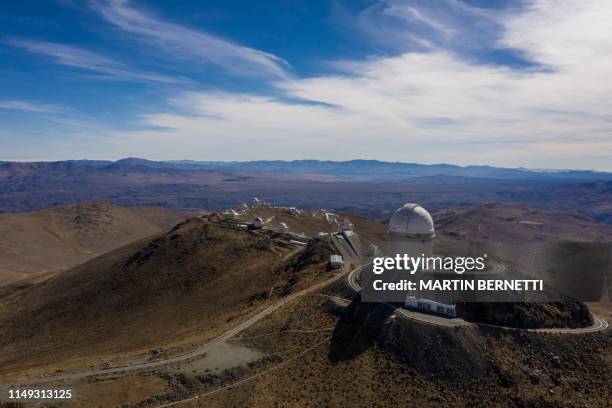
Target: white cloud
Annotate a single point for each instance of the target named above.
(424, 107)
(564, 34)
(80, 58)
(185, 43)
(29, 106)
(409, 25)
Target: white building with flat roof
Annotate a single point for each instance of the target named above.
(431, 306)
(336, 261)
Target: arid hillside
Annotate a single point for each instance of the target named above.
(505, 222)
(351, 354)
(170, 294)
(167, 294)
(58, 238)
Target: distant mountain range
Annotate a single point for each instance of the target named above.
(368, 187)
(360, 169)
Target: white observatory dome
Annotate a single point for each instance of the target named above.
(411, 220)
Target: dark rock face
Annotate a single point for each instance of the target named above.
(528, 315)
(451, 356)
(317, 251)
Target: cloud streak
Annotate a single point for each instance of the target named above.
(33, 107)
(188, 44)
(425, 100)
(432, 106)
(83, 59)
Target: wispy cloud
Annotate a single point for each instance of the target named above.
(29, 106)
(425, 100)
(188, 44)
(401, 107)
(79, 58)
(449, 25)
(413, 16)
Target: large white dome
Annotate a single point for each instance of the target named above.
(412, 220)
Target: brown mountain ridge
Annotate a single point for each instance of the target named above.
(61, 237)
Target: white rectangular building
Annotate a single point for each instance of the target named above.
(336, 261)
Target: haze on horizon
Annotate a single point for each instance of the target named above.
(503, 83)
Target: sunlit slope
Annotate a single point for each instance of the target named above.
(61, 237)
(170, 293)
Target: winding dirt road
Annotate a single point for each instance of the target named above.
(198, 352)
(352, 280)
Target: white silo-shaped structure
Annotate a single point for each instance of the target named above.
(282, 228)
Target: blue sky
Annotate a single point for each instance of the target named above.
(508, 83)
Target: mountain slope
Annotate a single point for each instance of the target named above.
(61, 237)
(169, 293)
(504, 222)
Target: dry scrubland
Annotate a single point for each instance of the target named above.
(59, 238)
(168, 294)
(326, 352)
(370, 361)
(171, 293)
(502, 222)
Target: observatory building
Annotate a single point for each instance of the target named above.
(258, 223)
(230, 215)
(336, 261)
(345, 225)
(412, 221)
(282, 228)
(411, 230)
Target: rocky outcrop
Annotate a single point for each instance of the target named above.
(528, 315)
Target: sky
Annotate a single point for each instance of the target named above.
(505, 83)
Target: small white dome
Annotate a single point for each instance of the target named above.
(412, 220)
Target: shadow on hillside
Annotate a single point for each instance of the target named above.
(357, 330)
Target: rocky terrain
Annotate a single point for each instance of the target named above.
(508, 223)
(165, 295)
(528, 315)
(168, 292)
(321, 352)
